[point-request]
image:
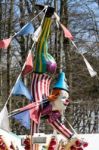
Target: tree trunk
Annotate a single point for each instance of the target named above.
(8, 51)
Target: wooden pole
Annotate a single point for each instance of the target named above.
(31, 135)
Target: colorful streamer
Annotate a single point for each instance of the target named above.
(44, 62)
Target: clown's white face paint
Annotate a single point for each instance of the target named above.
(63, 95)
(58, 104)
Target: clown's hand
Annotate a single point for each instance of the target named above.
(76, 143)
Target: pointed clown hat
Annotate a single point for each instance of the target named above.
(61, 82)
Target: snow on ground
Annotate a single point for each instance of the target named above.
(92, 139)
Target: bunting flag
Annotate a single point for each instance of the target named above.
(5, 43)
(28, 67)
(20, 89)
(27, 29)
(37, 34)
(4, 121)
(23, 118)
(67, 33)
(89, 67)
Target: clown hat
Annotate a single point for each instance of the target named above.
(61, 82)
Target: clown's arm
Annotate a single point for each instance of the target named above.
(56, 124)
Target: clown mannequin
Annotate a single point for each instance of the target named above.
(54, 109)
(56, 104)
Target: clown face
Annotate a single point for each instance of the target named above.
(59, 103)
(63, 95)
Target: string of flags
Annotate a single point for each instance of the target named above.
(25, 30)
(68, 35)
(19, 88)
(29, 29)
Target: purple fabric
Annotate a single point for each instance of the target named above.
(47, 110)
(54, 115)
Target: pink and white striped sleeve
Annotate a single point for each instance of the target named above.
(56, 124)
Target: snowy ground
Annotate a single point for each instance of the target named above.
(92, 139)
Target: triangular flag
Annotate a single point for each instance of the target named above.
(27, 29)
(20, 89)
(5, 43)
(67, 33)
(23, 118)
(28, 64)
(37, 34)
(4, 121)
(89, 67)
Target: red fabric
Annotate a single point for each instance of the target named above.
(35, 114)
(33, 110)
(28, 64)
(41, 83)
(56, 124)
(27, 107)
(5, 43)
(66, 32)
